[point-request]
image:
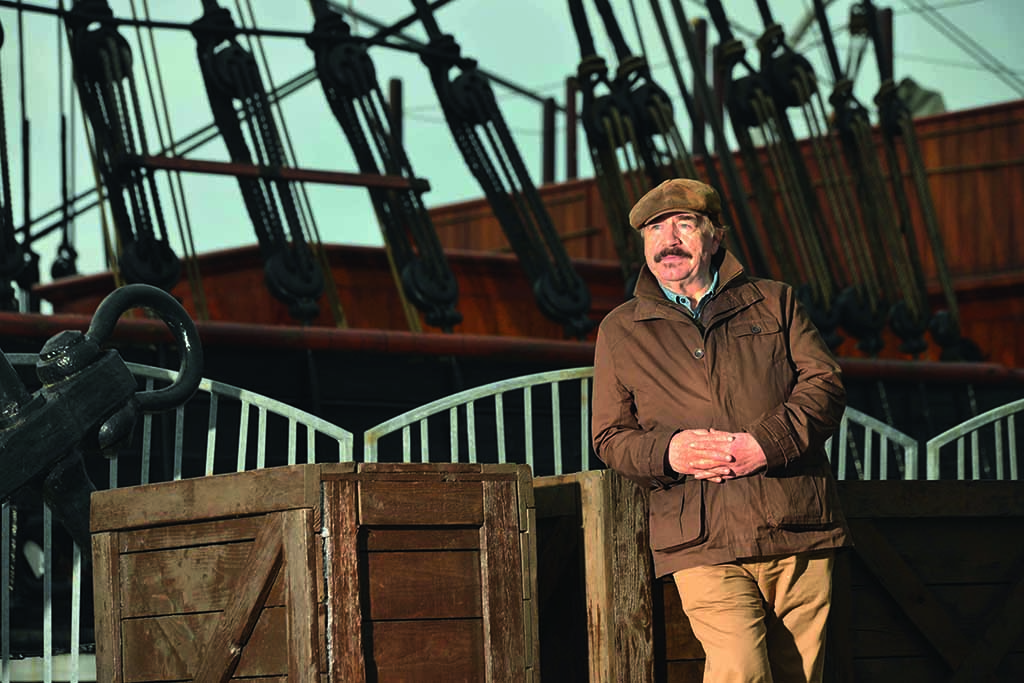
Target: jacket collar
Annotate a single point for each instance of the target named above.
(730, 294)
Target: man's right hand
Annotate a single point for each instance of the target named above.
(702, 454)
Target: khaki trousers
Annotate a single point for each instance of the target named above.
(760, 621)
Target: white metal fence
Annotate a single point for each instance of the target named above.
(542, 420)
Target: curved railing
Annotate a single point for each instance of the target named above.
(515, 425)
(988, 442)
(865, 448)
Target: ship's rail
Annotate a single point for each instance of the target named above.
(542, 420)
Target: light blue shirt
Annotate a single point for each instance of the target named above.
(685, 301)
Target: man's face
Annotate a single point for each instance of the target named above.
(678, 248)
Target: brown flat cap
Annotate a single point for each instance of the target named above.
(674, 196)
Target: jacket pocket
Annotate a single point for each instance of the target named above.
(798, 501)
(677, 517)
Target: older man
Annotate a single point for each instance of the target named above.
(714, 389)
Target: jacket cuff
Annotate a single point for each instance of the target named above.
(776, 442)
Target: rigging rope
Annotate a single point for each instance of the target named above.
(106, 85)
(230, 73)
(414, 251)
(477, 124)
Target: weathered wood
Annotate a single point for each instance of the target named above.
(343, 585)
(420, 502)
(405, 573)
(107, 607)
(421, 585)
(239, 617)
(185, 580)
(238, 495)
(299, 549)
(506, 647)
(609, 525)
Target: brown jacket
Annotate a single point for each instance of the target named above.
(758, 365)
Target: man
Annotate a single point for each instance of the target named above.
(715, 390)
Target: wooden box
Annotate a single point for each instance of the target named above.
(593, 579)
(338, 572)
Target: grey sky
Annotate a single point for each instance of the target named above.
(529, 42)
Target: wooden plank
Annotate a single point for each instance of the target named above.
(930, 617)
(220, 656)
(631, 587)
(441, 650)
(839, 650)
(107, 608)
(171, 647)
(972, 550)
(420, 502)
(185, 580)
(878, 499)
(185, 535)
(342, 577)
(377, 539)
(303, 623)
(994, 644)
(504, 628)
(205, 498)
(443, 585)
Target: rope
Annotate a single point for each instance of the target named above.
(180, 206)
(307, 221)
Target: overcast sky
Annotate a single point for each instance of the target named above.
(527, 42)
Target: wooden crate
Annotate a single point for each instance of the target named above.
(931, 591)
(338, 572)
(593, 579)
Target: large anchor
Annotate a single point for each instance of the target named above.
(477, 124)
(106, 87)
(349, 80)
(88, 404)
(231, 75)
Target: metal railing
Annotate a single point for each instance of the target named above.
(542, 420)
(988, 443)
(515, 427)
(871, 449)
(222, 428)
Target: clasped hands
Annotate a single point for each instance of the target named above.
(715, 455)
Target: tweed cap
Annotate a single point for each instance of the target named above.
(674, 196)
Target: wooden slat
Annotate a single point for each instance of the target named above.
(995, 642)
(878, 499)
(107, 607)
(172, 647)
(206, 498)
(343, 581)
(424, 585)
(441, 650)
(185, 580)
(504, 629)
(376, 539)
(221, 653)
(303, 624)
(427, 503)
(185, 535)
(919, 604)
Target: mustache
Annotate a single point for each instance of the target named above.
(671, 251)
